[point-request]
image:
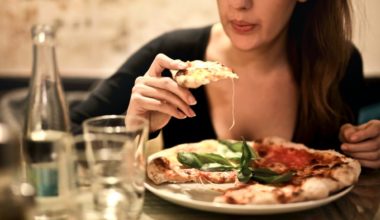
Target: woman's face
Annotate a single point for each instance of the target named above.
(251, 24)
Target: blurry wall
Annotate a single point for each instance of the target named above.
(94, 37)
(367, 33)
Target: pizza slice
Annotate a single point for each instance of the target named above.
(201, 72)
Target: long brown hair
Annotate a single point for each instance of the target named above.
(319, 49)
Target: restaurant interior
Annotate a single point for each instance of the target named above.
(94, 37)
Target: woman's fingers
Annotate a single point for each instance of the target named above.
(354, 134)
(370, 163)
(362, 143)
(160, 98)
(168, 84)
(151, 104)
(365, 131)
(164, 96)
(371, 156)
(367, 152)
(370, 145)
(346, 132)
(161, 62)
(153, 77)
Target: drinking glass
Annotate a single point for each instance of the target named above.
(115, 153)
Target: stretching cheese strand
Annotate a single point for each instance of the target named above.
(233, 104)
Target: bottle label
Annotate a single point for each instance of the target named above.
(45, 178)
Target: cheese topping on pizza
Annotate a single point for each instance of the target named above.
(201, 72)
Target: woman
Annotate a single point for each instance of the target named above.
(298, 79)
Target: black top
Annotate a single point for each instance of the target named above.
(113, 94)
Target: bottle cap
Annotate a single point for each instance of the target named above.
(43, 33)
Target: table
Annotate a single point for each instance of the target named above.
(362, 203)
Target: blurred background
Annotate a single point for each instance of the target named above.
(94, 37)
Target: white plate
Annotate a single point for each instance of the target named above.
(200, 196)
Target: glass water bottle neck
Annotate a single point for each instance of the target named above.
(44, 64)
(47, 109)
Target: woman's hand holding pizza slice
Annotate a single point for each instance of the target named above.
(159, 98)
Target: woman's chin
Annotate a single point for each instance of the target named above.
(245, 45)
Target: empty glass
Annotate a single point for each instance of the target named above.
(115, 153)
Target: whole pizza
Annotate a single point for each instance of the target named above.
(270, 171)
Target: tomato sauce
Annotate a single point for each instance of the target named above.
(292, 158)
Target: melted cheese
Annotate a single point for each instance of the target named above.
(233, 104)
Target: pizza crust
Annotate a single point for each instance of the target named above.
(312, 189)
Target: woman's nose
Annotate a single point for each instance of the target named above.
(241, 4)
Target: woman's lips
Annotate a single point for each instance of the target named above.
(242, 27)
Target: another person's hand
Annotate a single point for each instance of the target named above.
(362, 143)
(159, 98)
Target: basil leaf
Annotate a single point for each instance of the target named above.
(234, 160)
(195, 160)
(253, 152)
(285, 177)
(233, 146)
(247, 155)
(212, 158)
(189, 159)
(245, 172)
(215, 167)
(244, 175)
(264, 172)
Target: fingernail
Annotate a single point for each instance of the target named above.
(182, 115)
(192, 113)
(182, 65)
(354, 137)
(192, 100)
(344, 147)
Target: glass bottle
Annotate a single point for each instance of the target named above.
(46, 130)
